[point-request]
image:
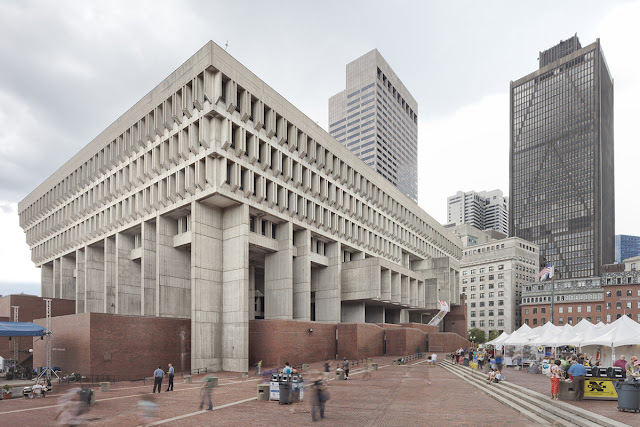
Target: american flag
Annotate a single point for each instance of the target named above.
(546, 272)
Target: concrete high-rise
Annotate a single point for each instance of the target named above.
(485, 210)
(627, 247)
(376, 118)
(561, 159)
(215, 202)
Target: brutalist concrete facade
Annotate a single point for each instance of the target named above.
(214, 199)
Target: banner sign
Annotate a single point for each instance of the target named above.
(600, 389)
(444, 309)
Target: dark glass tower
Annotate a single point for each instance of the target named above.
(561, 159)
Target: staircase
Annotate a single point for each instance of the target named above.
(536, 406)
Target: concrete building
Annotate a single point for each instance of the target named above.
(215, 200)
(376, 118)
(561, 159)
(492, 277)
(485, 210)
(472, 236)
(626, 247)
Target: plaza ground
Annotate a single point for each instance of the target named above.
(408, 395)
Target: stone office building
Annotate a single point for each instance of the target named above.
(215, 200)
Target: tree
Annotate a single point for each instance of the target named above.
(476, 335)
(493, 334)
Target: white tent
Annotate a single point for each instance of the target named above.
(582, 326)
(497, 341)
(622, 330)
(558, 340)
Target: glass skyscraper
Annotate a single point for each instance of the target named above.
(627, 247)
(561, 159)
(377, 119)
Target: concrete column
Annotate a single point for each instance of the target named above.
(252, 292)
(67, 281)
(56, 278)
(302, 276)
(110, 274)
(206, 287)
(421, 294)
(404, 290)
(128, 298)
(173, 272)
(385, 285)
(413, 292)
(404, 316)
(353, 312)
(94, 292)
(374, 314)
(278, 276)
(327, 286)
(80, 279)
(235, 289)
(46, 280)
(396, 294)
(149, 267)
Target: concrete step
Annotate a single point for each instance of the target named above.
(559, 409)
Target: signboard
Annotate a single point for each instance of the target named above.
(444, 309)
(274, 390)
(600, 389)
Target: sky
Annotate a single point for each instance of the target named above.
(70, 68)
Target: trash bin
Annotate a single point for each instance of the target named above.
(628, 396)
(566, 392)
(285, 392)
(297, 390)
(466, 361)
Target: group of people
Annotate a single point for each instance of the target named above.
(159, 374)
(632, 367)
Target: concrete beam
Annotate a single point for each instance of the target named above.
(149, 267)
(94, 278)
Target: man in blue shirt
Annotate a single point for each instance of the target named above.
(157, 379)
(578, 372)
(171, 372)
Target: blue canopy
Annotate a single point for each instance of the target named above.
(20, 329)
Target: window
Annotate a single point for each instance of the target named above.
(481, 295)
(491, 276)
(608, 306)
(473, 296)
(491, 268)
(629, 293)
(526, 321)
(482, 287)
(569, 309)
(500, 322)
(598, 319)
(578, 319)
(482, 278)
(464, 289)
(579, 309)
(491, 322)
(473, 271)
(501, 276)
(608, 318)
(491, 313)
(501, 312)
(491, 294)
(535, 311)
(481, 303)
(628, 305)
(500, 302)
(560, 320)
(501, 267)
(608, 294)
(618, 293)
(500, 293)
(560, 310)
(490, 285)
(618, 305)
(473, 289)
(464, 272)
(473, 279)
(473, 314)
(482, 323)
(464, 281)
(526, 311)
(535, 321)
(588, 309)
(543, 320)
(598, 308)
(482, 270)
(473, 305)
(570, 320)
(543, 310)
(491, 303)
(473, 324)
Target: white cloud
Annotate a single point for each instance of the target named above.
(467, 150)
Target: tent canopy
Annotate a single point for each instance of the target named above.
(20, 329)
(623, 331)
(503, 336)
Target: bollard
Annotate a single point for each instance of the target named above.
(339, 375)
(263, 392)
(305, 366)
(106, 386)
(187, 379)
(245, 375)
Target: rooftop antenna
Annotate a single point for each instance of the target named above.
(226, 45)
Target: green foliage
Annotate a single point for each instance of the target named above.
(476, 335)
(494, 334)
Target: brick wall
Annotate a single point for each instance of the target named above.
(360, 340)
(31, 307)
(447, 340)
(278, 341)
(424, 328)
(404, 341)
(128, 347)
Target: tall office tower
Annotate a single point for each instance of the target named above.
(561, 159)
(377, 119)
(626, 247)
(485, 210)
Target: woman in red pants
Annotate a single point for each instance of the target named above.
(556, 374)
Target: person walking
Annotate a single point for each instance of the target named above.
(319, 397)
(171, 373)
(258, 367)
(157, 379)
(578, 372)
(345, 366)
(556, 374)
(205, 392)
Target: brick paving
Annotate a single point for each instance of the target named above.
(542, 384)
(395, 396)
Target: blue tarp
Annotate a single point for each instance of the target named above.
(20, 329)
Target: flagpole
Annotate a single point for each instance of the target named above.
(553, 297)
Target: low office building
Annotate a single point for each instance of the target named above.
(214, 199)
(626, 247)
(492, 277)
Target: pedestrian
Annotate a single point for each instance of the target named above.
(620, 363)
(480, 360)
(319, 397)
(345, 366)
(556, 374)
(205, 392)
(147, 410)
(157, 379)
(171, 373)
(287, 368)
(258, 367)
(70, 406)
(578, 373)
(631, 369)
(327, 370)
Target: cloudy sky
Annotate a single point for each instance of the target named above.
(70, 68)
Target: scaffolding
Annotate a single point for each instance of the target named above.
(47, 371)
(16, 340)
